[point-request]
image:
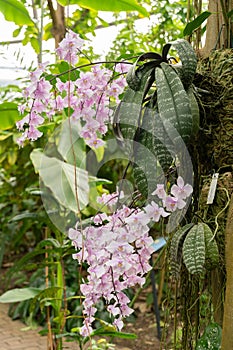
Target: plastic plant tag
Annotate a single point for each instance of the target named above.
(212, 190)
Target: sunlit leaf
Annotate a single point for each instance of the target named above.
(106, 5)
(9, 114)
(59, 177)
(15, 11)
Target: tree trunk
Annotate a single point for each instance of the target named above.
(227, 334)
(219, 27)
(58, 19)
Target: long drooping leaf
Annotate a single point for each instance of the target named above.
(173, 104)
(127, 116)
(194, 110)
(176, 249)
(153, 146)
(106, 5)
(194, 250)
(15, 11)
(211, 249)
(196, 23)
(9, 114)
(59, 177)
(188, 59)
(136, 71)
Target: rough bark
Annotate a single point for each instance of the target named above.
(227, 338)
(219, 27)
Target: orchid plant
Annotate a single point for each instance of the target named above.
(116, 244)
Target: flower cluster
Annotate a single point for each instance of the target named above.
(179, 193)
(117, 248)
(69, 48)
(87, 98)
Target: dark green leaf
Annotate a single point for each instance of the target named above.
(176, 249)
(194, 250)
(153, 145)
(188, 59)
(194, 110)
(127, 116)
(196, 23)
(230, 13)
(173, 104)
(211, 248)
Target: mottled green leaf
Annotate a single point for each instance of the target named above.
(153, 147)
(211, 249)
(211, 338)
(176, 249)
(194, 110)
(189, 61)
(128, 114)
(173, 104)
(194, 250)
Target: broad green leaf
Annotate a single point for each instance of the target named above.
(173, 104)
(194, 250)
(196, 23)
(71, 145)
(9, 114)
(15, 11)
(106, 5)
(19, 294)
(59, 177)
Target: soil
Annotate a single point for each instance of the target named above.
(144, 327)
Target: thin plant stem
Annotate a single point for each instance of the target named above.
(147, 277)
(175, 313)
(49, 336)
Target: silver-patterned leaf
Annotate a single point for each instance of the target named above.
(176, 249)
(173, 104)
(194, 250)
(211, 249)
(189, 61)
